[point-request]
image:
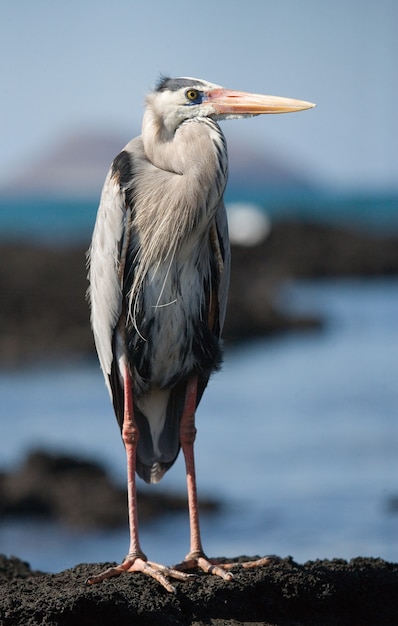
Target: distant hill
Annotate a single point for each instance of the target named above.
(78, 163)
(75, 166)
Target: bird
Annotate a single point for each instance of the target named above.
(158, 270)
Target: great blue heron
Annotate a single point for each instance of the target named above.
(159, 271)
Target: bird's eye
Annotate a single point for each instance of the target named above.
(192, 95)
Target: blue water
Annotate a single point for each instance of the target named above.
(72, 220)
(298, 437)
(47, 220)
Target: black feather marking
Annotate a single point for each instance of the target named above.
(207, 350)
(174, 84)
(206, 344)
(221, 244)
(123, 172)
(122, 168)
(117, 393)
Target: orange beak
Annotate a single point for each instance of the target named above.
(227, 102)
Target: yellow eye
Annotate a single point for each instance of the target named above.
(192, 94)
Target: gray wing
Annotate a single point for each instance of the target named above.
(222, 262)
(225, 250)
(105, 259)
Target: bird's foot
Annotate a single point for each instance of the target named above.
(133, 563)
(217, 567)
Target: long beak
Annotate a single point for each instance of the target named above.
(230, 102)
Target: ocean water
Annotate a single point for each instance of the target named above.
(68, 220)
(297, 436)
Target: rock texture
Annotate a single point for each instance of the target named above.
(321, 593)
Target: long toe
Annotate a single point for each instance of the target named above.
(217, 567)
(159, 572)
(265, 560)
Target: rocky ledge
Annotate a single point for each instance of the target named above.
(363, 592)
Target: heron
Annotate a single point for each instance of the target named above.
(159, 265)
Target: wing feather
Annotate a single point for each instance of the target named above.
(105, 268)
(224, 272)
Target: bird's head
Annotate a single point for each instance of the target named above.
(176, 100)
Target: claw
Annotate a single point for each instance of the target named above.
(161, 573)
(215, 567)
(137, 564)
(257, 563)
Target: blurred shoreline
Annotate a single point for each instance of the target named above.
(44, 314)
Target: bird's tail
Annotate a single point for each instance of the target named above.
(158, 414)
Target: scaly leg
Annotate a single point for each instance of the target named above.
(136, 560)
(196, 556)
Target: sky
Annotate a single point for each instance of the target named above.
(87, 64)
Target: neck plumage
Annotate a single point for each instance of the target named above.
(197, 147)
(179, 185)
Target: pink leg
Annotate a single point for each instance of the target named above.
(136, 560)
(131, 435)
(187, 438)
(196, 556)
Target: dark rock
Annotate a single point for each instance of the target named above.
(78, 493)
(314, 250)
(328, 593)
(43, 311)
